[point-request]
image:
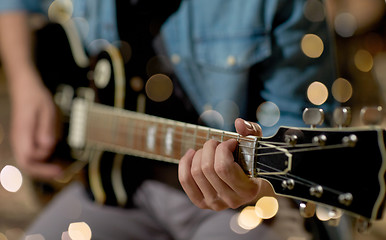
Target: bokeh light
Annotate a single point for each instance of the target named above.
(266, 207)
(11, 178)
(363, 60)
(248, 218)
(125, 50)
(60, 11)
(234, 225)
(159, 87)
(79, 231)
(345, 24)
(312, 46)
(268, 114)
(314, 11)
(34, 237)
(342, 90)
(136, 83)
(230, 107)
(212, 118)
(317, 93)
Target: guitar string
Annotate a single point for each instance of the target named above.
(281, 177)
(301, 180)
(179, 138)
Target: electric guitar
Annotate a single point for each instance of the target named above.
(341, 168)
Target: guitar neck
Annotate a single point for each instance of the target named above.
(132, 133)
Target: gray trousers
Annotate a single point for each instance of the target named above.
(161, 213)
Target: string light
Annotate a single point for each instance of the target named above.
(363, 60)
(317, 93)
(266, 207)
(268, 114)
(11, 178)
(34, 237)
(159, 87)
(212, 118)
(341, 90)
(312, 45)
(79, 231)
(345, 24)
(248, 218)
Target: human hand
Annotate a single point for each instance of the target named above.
(34, 127)
(213, 180)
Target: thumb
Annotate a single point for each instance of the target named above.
(246, 128)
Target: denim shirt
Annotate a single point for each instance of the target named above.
(215, 43)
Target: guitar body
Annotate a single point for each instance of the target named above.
(110, 177)
(110, 133)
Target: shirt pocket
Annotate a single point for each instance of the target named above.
(231, 52)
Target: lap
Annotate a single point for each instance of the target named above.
(160, 213)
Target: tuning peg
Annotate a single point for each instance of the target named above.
(307, 209)
(371, 115)
(342, 116)
(313, 116)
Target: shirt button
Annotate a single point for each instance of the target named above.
(231, 60)
(175, 58)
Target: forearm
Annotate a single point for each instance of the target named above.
(15, 49)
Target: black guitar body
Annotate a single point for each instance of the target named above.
(56, 64)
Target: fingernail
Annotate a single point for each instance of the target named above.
(249, 125)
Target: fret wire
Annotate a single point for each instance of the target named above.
(135, 116)
(246, 146)
(142, 129)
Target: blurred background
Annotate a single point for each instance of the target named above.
(359, 31)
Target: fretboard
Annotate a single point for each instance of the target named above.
(137, 134)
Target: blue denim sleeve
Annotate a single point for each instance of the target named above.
(20, 5)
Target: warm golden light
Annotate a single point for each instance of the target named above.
(79, 231)
(317, 93)
(159, 87)
(341, 90)
(248, 218)
(312, 46)
(11, 178)
(137, 83)
(363, 60)
(266, 207)
(268, 114)
(234, 225)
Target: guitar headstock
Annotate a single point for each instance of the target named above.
(339, 168)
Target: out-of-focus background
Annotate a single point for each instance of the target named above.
(359, 30)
